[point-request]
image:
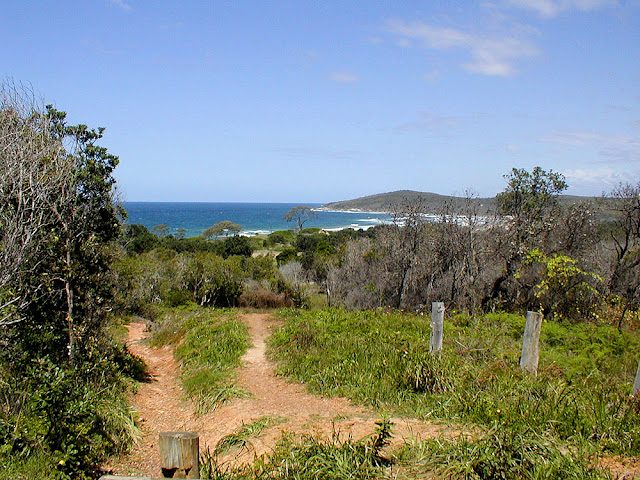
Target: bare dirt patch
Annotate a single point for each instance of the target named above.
(161, 406)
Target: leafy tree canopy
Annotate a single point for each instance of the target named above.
(300, 215)
(529, 194)
(225, 227)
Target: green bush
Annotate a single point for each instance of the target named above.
(236, 245)
(287, 255)
(163, 276)
(73, 415)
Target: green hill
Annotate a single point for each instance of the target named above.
(388, 202)
(431, 202)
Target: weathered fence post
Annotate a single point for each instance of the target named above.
(437, 327)
(179, 455)
(636, 384)
(531, 343)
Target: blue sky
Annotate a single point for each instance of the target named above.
(317, 101)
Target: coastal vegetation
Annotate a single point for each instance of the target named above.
(581, 394)
(352, 305)
(225, 227)
(63, 378)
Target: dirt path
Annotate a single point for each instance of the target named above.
(161, 406)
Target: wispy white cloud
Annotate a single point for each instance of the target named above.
(443, 125)
(490, 55)
(344, 77)
(319, 153)
(617, 147)
(432, 76)
(120, 4)
(552, 8)
(603, 178)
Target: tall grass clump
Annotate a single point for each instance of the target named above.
(311, 457)
(210, 345)
(240, 437)
(500, 454)
(382, 358)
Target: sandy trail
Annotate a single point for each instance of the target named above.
(161, 406)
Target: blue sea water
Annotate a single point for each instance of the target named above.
(254, 218)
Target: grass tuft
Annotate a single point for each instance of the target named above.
(501, 453)
(240, 438)
(211, 344)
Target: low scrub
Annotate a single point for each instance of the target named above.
(382, 358)
(312, 457)
(258, 296)
(500, 454)
(62, 421)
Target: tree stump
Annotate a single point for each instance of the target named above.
(179, 455)
(531, 343)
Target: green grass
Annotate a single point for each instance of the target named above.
(240, 438)
(210, 346)
(35, 467)
(382, 359)
(499, 454)
(311, 457)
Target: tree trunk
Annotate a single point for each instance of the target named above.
(621, 319)
(71, 347)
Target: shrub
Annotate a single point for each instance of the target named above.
(259, 297)
(73, 415)
(287, 255)
(236, 245)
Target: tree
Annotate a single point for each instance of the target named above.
(161, 230)
(409, 235)
(527, 207)
(138, 239)
(29, 153)
(624, 280)
(236, 245)
(58, 218)
(225, 227)
(58, 223)
(300, 215)
(529, 199)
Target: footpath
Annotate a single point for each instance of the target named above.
(162, 406)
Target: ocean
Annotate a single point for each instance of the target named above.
(254, 218)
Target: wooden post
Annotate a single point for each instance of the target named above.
(437, 321)
(531, 343)
(179, 455)
(636, 384)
